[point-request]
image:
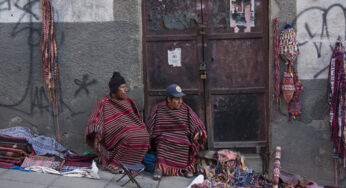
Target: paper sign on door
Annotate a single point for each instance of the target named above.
(174, 57)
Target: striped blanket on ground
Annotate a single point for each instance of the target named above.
(176, 136)
(117, 132)
(13, 150)
(42, 145)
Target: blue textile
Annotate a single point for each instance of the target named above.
(149, 162)
(42, 145)
(70, 168)
(132, 167)
(16, 168)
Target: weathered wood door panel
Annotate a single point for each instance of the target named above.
(237, 66)
(169, 25)
(229, 37)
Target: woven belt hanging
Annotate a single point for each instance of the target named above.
(49, 62)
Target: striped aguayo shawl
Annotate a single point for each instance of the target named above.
(176, 136)
(117, 132)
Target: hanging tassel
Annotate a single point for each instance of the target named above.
(50, 65)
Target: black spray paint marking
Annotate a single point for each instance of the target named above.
(83, 85)
(324, 30)
(38, 98)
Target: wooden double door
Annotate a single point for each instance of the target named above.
(217, 51)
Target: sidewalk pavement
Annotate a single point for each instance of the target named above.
(18, 179)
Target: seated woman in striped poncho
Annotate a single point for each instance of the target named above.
(115, 128)
(176, 135)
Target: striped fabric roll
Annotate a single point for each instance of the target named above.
(176, 136)
(117, 132)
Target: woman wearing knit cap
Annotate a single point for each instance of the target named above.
(115, 129)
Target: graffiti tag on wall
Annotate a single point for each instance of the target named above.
(32, 96)
(318, 28)
(65, 11)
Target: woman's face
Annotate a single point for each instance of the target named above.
(121, 93)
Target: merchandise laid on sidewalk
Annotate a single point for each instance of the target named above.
(226, 169)
(21, 149)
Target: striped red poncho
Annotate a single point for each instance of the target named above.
(176, 136)
(116, 131)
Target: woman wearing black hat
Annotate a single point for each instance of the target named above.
(115, 128)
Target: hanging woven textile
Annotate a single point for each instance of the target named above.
(287, 86)
(336, 99)
(288, 46)
(50, 65)
(290, 85)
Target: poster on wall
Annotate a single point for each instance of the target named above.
(242, 13)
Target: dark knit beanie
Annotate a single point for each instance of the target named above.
(115, 82)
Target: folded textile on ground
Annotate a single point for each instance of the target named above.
(13, 150)
(42, 145)
(44, 161)
(87, 173)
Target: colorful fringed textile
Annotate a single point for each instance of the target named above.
(49, 60)
(336, 98)
(295, 107)
(117, 132)
(287, 86)
(177, 136)
(290, 84)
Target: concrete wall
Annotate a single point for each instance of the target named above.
(94, 38)
(306, 146)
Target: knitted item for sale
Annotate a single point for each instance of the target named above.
(290, 84)
(288, 47)
(287, 86)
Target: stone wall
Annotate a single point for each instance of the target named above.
(94, 38)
